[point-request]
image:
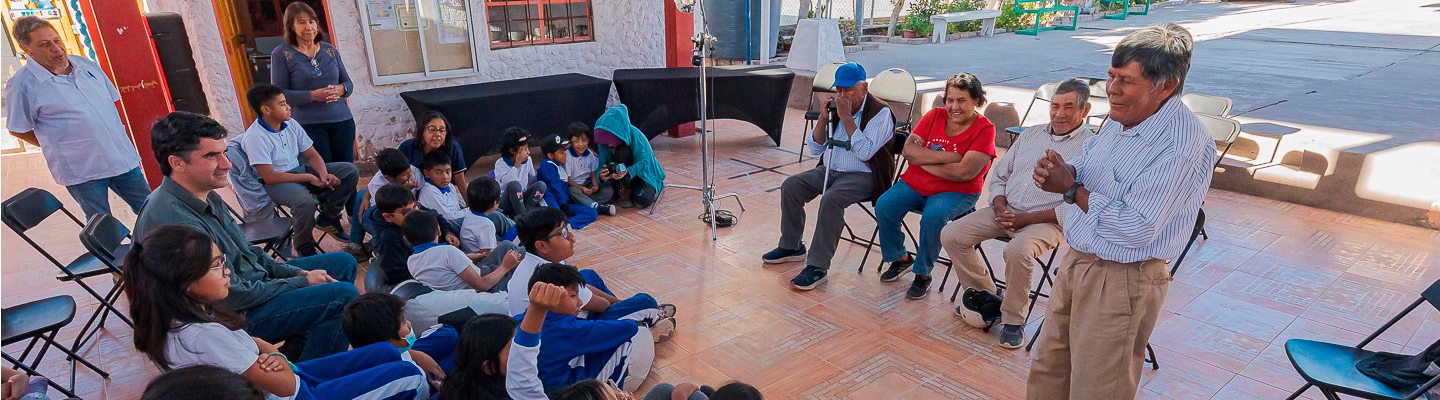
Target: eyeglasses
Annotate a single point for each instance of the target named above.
(221, 265)
(436, 129)
(564, 232)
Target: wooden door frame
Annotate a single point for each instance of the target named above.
(227, 18)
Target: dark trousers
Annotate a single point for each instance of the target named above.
(313, 311)
(335, 141)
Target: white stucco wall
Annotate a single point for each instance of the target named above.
(628, 34)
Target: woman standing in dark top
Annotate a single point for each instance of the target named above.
(314, 80)
(432, 133)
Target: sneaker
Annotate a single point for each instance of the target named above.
(784, 255)
(1011, 336)
(605, 209)
(331, 225)
(979, 308)
(667, 311)
(919, 288)
(662, 331)
(898, 268)
(809, 278)
(361, 252)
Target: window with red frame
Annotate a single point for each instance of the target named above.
(515, 23)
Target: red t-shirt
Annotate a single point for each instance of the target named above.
(980, 136)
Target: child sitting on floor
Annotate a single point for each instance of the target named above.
(557, 195)
(575, 349)
(438, 193)
(394, 169)
(547, 238)
(583, 167)
(485, 228)
(392, 202)
(519, 188)
(457, 282)
(380, 317)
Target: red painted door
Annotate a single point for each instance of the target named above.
(122, 42)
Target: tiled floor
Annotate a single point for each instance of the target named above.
(1270, 271)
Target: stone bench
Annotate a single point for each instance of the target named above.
(942, 22)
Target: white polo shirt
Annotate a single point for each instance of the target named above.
(278, 146)
(74, 118)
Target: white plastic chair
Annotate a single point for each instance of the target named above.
(896, 85)
(1221, 129)
(1207, 104)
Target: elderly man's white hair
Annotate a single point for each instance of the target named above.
(1163, 51)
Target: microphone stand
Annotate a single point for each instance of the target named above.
(703, 42)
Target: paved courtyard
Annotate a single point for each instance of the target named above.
(1271, 270)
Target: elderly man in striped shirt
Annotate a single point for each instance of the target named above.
(1020, 211)
(1131, 203)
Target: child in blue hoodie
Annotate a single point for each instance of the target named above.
(574, 349)
(557, 184)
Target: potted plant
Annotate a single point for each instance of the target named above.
(908, 33)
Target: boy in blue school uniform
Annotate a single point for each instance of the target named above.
(575, 349)
(380, 317)
(557, 183)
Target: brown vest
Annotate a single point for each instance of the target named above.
(882, 164)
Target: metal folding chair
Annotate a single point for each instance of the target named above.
(33, 206)
(1331, 367)
(824, 82)
(39, 321)
(1045, 93)
(105, 237)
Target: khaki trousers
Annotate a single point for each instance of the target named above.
(959, 239)
(1099, 320)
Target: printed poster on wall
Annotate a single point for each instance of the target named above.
(454, 21)
(406, 18)
(382, 15)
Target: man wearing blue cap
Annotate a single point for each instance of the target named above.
(856, 165)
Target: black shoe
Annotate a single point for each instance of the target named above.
(1011, 336)
(979, 308)
(809, 278)
(918, 288)
(331, 225)
(782, 255)
(605, 209)
(898, 268)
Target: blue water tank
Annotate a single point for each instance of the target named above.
(726, 19)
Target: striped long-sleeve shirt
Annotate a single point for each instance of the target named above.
(1146, 184)
(1012, 175)
(862, 146)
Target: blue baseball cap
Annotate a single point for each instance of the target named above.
(849, 74)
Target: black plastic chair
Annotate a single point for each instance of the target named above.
(1331, 367)
(410, 289)
(375, 278)
(39, 321)
(32, 206)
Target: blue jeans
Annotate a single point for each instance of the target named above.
(94, 195)
(314, 311)
(935, 212)
(357, 226)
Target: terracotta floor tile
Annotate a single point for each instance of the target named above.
(1208, 343)
(1182, 377)
(1237, 315)
(1242, 388)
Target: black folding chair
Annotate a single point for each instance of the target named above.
(271, 234)
(39, 321)
(27, 210)
(375, 278)
(105, 237)
(1035, 295)
(410, 289)
(824, 82)
(1331, 367)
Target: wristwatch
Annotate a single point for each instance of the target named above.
(1070, 194)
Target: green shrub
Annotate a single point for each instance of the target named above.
(849, 32)
(918, 19)
(1011, 21)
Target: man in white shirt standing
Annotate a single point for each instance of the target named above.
(66, 105)
(1131, 202)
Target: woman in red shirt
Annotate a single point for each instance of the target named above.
(949, 153)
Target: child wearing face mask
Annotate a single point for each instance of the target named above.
(176, 278)
(380, 317)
